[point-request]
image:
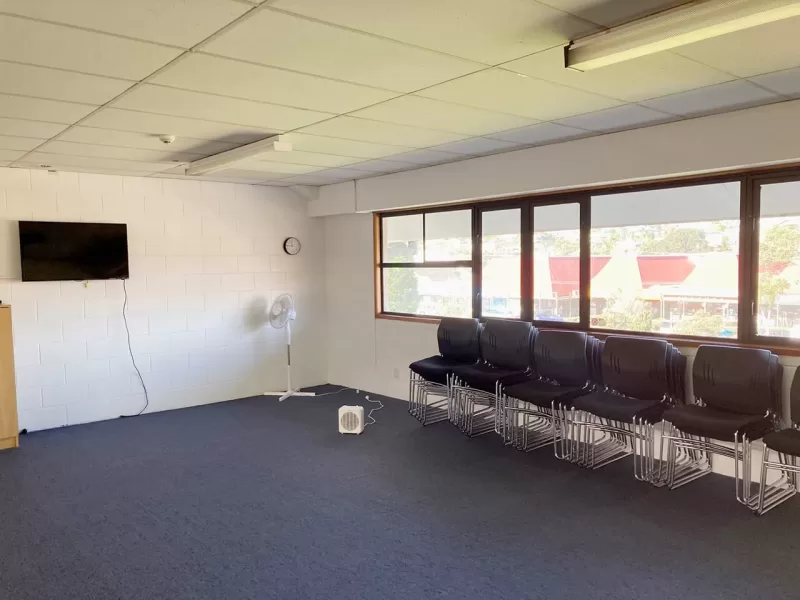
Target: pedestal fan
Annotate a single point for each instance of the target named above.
(281, 314)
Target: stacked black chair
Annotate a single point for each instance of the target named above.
(565, 365)
(786, 445)
(430, 377)
(505, 348)
(641, 379)
(737, 396)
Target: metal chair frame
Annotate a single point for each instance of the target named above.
(472, 410)
(778, 492)
(527, 426)
(421, 407)
(617, 440)
(689, 458)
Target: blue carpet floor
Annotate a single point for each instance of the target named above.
(258, 500)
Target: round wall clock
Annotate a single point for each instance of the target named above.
(291, 246)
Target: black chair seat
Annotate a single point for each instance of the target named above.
(542, 393)
(620, 408)
(704, 421)
(786, 441)
(435, 368)
(484, 377)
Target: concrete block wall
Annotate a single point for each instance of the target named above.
(206, 260)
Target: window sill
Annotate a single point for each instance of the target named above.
(678, 340)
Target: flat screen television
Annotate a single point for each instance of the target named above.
(52, 251)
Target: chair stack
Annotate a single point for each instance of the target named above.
(598, 402)
(565, 366)
(429, 384)
(475, 391)
(642, 378)
(737, 397)
(786, 445)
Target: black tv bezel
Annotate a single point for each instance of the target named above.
(86, 223)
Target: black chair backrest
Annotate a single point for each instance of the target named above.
(794, 398)
(459, 339)
(562, 356)
(637, 367)
(507, 344)
(740, 380)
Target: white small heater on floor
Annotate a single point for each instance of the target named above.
(351, 419)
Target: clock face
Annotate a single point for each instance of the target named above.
(291, 246)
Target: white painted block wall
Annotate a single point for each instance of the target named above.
(206, 260)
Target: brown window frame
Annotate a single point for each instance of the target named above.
(750, 181)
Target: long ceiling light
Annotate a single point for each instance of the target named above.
(685, 24)
(223, 160)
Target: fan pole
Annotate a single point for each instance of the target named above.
(289, 390)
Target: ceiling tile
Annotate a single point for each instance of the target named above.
(618, 118)
(97, 151)
(383, 166)
(476, 146)
(8, 142)
(282, 40)
(326, 177)
(346, 174)
(381, 133)
(508, 92)
(82, 162)
(129, 139)
(61, 47)
(70, 168)
(433, 114)
(35, 109)
(469, 28)
(204, 73)
(27, 80)
(149, 123)
(313, 158)
(716, 98)
(427, 157)
(786, 83)
(276, 167)
(753, 51)
(543, 133)
(10, 155)
(330, 145)
(177, 23)
(195, 105)
(32, 129)
(247, 174)
(612, 12)
(633, 80)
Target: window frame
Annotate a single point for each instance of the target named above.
(750, 181)
(380, 296)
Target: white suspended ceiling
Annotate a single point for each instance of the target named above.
(359, 87)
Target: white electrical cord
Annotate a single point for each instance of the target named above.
(369, 416)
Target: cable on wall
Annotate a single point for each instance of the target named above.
(130, 350)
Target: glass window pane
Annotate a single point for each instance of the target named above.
(448, 235)
(402, 239)
(556, 262)
(501, 246)
(667, 261)
(440, 292)
(779, 261)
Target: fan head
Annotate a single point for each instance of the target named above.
(281, 311)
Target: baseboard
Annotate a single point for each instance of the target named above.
(7, 443)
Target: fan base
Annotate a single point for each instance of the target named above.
(285, 395)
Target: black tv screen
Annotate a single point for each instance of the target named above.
(52, 251)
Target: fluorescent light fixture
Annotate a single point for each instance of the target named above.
(685, 24)
(223, 160)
